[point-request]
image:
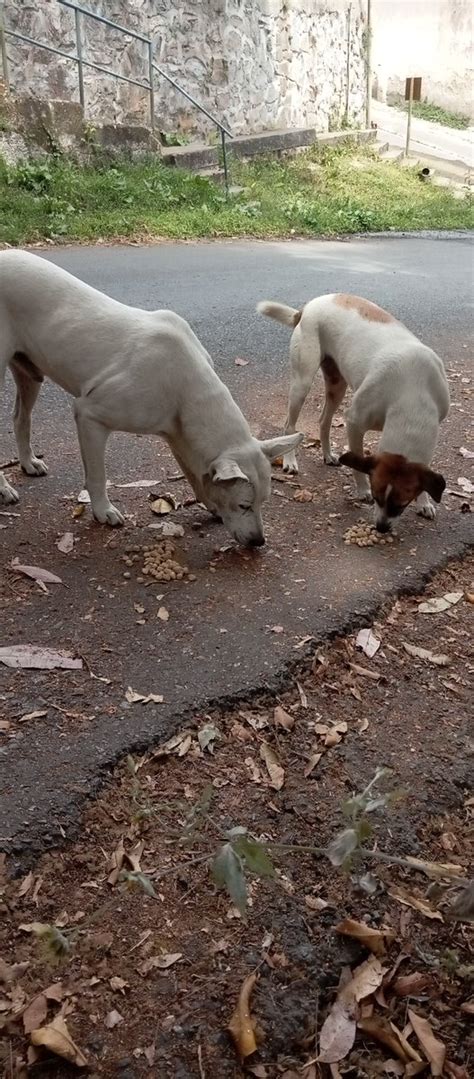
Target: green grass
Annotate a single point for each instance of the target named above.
(322, 192)
(426, 111)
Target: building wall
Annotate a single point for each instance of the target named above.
(431, 38)
(256, 64)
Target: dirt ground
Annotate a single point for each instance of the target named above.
(150, 982)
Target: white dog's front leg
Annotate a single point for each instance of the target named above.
(425, 507)
(8, 495)
(92, 440)
(355, 438)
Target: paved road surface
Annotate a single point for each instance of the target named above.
(220, 641)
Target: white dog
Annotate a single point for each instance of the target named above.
(400, 388)
(128, 370)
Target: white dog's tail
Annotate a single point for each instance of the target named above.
(289, 316)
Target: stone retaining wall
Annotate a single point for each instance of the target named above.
(256, 64)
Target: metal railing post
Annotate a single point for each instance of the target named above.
(152, 89)
(3, 51)
(80, 68)
(224, 162)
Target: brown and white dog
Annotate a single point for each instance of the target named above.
(400, 388)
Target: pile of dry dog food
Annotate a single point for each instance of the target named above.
(159, 562)
(364, 534)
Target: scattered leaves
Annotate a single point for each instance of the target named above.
(160, 962)
(241, 1026)
(373, 939)
(439, 660)
(434, 1050)
(283, 719)
(368, 642)
(161, 506)
(56, 1037)
(207, 735)
(274, 768)
(66, 543)
(36, 573)
(436, 604)
(138, 698)
(337, 1033)
(415, 902)
(31, 656)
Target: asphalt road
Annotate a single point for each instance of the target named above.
(220, 642)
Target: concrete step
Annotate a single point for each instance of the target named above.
(199, 156)
(390, 154)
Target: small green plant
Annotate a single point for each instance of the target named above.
(35, 177)
(174, 138)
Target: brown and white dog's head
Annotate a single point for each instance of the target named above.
(395, 482)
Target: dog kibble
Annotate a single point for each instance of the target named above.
(364, 534)
(159, 563)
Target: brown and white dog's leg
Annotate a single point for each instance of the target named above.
(335, 387)
(305, 359)
(355, 438)
(425, 507)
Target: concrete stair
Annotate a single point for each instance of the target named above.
(206, 159)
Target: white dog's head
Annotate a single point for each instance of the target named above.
(238, 482)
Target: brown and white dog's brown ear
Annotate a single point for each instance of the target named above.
(360, 463)
(434, 483)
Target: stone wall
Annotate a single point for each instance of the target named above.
(256, 64)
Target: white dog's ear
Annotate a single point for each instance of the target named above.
(224, 469)
(276, 447)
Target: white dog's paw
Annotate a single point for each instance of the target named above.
(8, 495)
(35, 467)
(426, 509)
(331, 459)
(366, 497)
(109, 515)
(290, 464)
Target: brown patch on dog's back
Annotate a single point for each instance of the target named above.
(365, 308)
(297, 317)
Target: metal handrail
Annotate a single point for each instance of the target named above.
(78, 58)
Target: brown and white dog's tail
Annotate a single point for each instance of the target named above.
(289, 316)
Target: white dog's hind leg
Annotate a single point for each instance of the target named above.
(8, 495)
(305, 359)
(425, 507)
(92, 440)
(27, 390)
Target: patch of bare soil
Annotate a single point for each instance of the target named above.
(151, 982)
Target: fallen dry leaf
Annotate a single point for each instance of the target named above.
(113, 1019)
(283, 719)
(33, 715)
(439, 603)
(364, 672)
(160, 962)
(311, 765)
(313, 902)
(138, 484)
(66, 543)
(440, 660)
(163, 614)
(468, 1007)
(372, 939)
(277, 629)
(466, 485)
(434, 1050)
(36, 573)
(239, 362)
(26, 884)
(415, 902)
(161, 506)
(115, 862)
(469, 454)
(368, 642)
(35, 1014)
(274, 768)
(31, 656)
(77, 511)
(365, 980)
(303, 496)
(241, 1027)
(382, 1031)
(436, 870)
(410, 985)
(338, 1033)
(56, 1037)
(303, 697)
(138, 698)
